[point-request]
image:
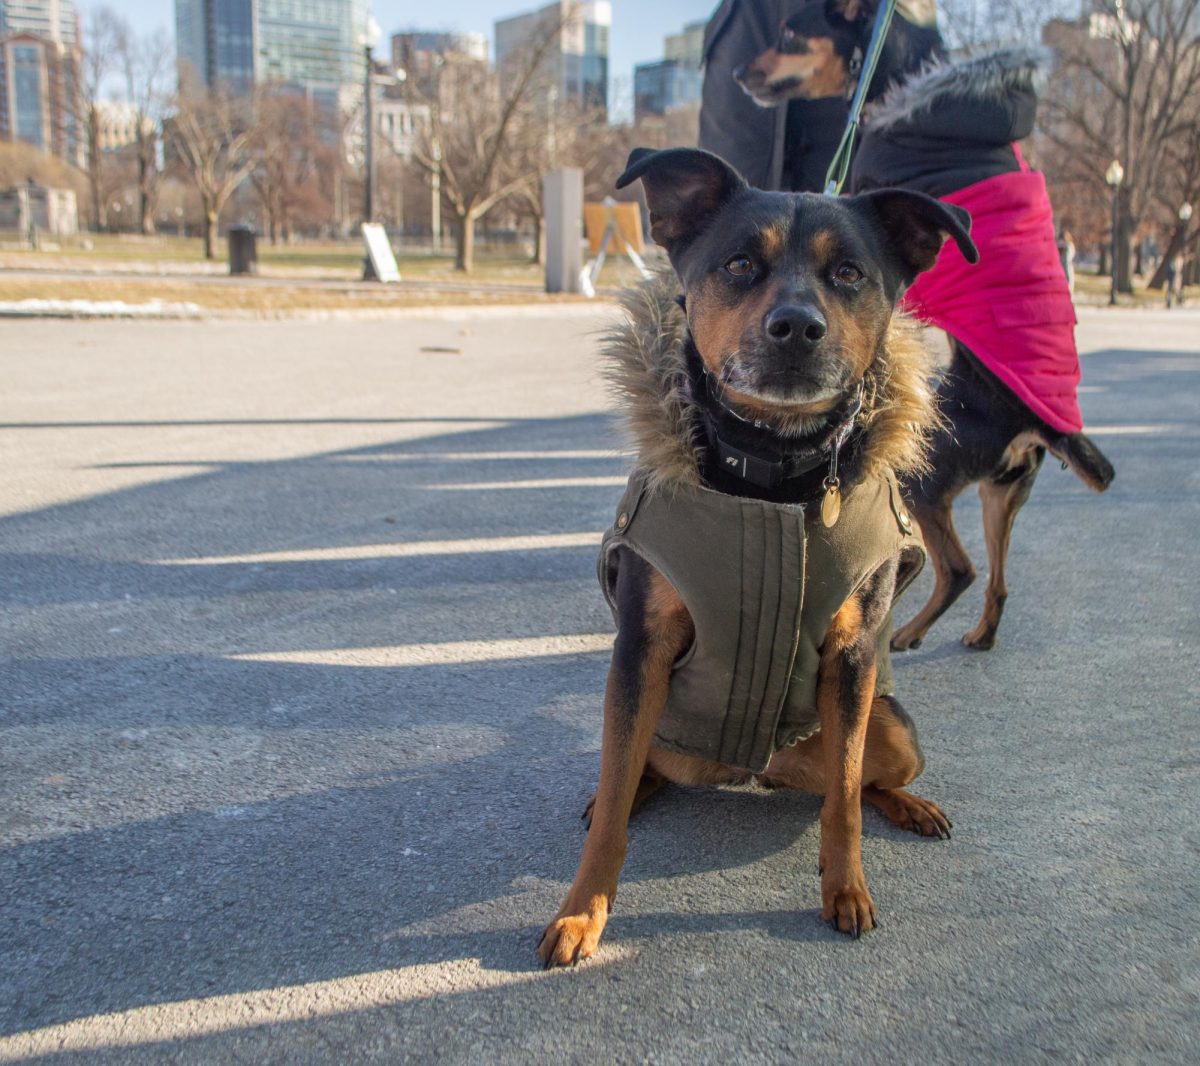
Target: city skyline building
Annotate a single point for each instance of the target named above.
(39, 77)
(686, 46)
(675, 81)
(56, 20)
(314, 46)
(317, 45)
(663, 86)
(420, 54)
(576, 69)
(215, 43)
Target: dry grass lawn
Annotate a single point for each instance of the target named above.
(265, 299)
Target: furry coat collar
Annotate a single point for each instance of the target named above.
(645, 364)
(992, 74)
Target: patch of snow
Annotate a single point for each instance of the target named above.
(96, 309)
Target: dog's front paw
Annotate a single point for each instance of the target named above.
(848, 907)
(570, 938)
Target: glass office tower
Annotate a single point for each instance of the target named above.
(313, 45)
(216, 43)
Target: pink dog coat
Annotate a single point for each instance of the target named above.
(1013, 308)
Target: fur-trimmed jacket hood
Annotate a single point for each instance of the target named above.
(994, 76)
(951, 125)
(646, 366)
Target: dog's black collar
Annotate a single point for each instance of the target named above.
(767, 471)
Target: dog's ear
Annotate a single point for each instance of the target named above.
(685, 188)
(916, 226)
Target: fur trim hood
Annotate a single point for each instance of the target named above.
(994, 74)
(646, 368)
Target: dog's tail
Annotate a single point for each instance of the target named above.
(1078, 452)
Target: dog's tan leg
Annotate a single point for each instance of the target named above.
(891, 760)
(845, 688)
(690, 770)
(649, 784)
(952, 567)
(666, 767)
(1000, 506)
(654, 629)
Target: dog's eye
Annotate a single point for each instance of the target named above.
(739, 266)
(787, 34)
(849, 274)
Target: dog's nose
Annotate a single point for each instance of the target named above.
(795, 324)
(739, 72)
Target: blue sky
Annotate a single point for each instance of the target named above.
(638, 25)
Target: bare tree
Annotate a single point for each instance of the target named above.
(20, 161)
(473, 122)
(287, 154)
(1127, 86)
(212, 135)
(102, 32)
(972, 26)
(570, 135)
(145, 64)
(1181, 186)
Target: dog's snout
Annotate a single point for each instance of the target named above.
(795, 324)
(739, 72)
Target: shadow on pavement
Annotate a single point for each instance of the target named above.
(320, 820)
(183, 824)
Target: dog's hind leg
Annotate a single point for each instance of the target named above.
(952, 567)
(650, 783)
(665, 767)
(893, 759)
(1002, 498)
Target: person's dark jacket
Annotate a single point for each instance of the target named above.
(773, 148)
(950, 127)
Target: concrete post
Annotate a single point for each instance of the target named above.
(562, 206)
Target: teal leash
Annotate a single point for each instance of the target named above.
(839, 166)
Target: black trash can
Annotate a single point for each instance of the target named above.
(243, 250)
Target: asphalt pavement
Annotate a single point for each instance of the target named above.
(302, 663)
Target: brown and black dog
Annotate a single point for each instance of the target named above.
(990, 436)
(790, 304)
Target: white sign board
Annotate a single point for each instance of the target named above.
(380, 252)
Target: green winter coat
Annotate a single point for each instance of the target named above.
(762, 582)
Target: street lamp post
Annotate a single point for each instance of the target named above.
(1185, 216)
(369, 38)
(368, 140)
(1113, 177)
(435, 178)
